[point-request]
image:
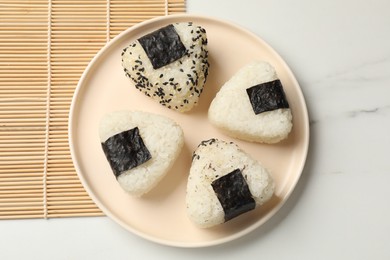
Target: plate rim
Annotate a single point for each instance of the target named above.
(107, 212)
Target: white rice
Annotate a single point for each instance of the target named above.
(189, 72)
(217, 159)
(232, 111)
(163, 138)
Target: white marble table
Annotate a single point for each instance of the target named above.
(340, 54)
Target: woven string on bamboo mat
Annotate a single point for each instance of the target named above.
(44, 48)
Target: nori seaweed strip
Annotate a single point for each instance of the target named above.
(267, 97)
(125, 151)
(163, 46)
(233, 193)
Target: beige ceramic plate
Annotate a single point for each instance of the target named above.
(161, 215)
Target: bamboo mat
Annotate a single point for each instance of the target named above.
(44, 48)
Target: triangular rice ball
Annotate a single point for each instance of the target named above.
(252, 105)
(224, 182)
(140, 148)
(169, 65)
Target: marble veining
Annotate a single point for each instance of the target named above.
(362, 89)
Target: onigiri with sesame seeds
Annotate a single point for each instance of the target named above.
(170, 64)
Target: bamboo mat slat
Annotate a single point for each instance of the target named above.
(45, 46)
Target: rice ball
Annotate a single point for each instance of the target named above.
(140, 148)
(252, 105)
(224, 182)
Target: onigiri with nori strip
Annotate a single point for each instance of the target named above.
(224, 182)
(252, 105)
(169, 65)
(140, 148)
